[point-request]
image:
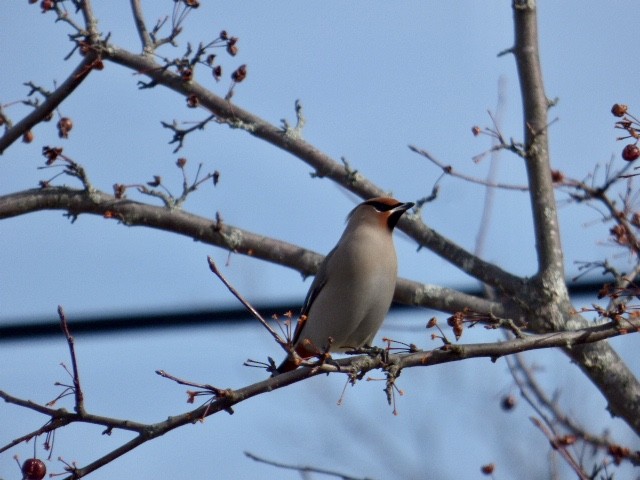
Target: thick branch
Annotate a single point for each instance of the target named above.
(568, 339)
(604, 367)
(548, 298)
(355, 367)
(535, 106)
(231, 238)
(324, 166)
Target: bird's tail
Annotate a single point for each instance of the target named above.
(287, 365)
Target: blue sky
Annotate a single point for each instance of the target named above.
(371, 80)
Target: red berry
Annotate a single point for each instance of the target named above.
(64, 127)
(192, 101)
(508, 402)
(47, 5)
(239, 74)
(619, 109)
(488, 469)
(631, 152)
(34, 469)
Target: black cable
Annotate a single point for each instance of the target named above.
(39, 328)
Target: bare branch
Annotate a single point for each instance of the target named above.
(90, 20)
(236, 117)
(50, 103)
(448, 169)
(77, 390)
(247, 305)
(564, 453)
(354, 367)
(141, 26)
(535, 107)
(303, 469)
(548, 409)
(217, 233)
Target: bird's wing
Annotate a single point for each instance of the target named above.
(317, 285)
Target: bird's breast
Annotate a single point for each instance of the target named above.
(356, 297)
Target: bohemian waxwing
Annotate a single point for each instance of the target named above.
(352, 291)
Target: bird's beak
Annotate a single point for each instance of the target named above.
(403, 207)
(396, 212)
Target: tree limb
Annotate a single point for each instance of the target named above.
(323, 165)
(535, 106)
(51, 102)
(355, 367)
(141, 26)
(548, 298)
(219, 234)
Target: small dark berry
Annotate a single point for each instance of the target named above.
(187, 75)
(488, 469)
(508, 402)
(34, 469)
(64, 127)
(217, 72)
(619, 109)
(557, 176)
(239, 74)
(631, 152)
(192, 101)
(47, 5)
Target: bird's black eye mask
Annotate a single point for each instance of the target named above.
(381, 206)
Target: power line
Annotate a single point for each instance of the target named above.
(41, 328)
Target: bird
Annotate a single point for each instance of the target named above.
(353, 288)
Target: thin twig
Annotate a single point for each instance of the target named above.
(247, 305)
(77, 390)
(141, 26)
(489, 194)
(548, 409)
(188, 383)
(573, 463)
(448, 169)
(303, 469)
(50, 103)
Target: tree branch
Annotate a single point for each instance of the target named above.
(354, 367)
(323, 165)
(141, 26)
(535, 107)
(548, 299)
(448, 169)
(219, 234)
(79, 74)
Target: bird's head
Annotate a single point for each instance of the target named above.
(380, 211)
